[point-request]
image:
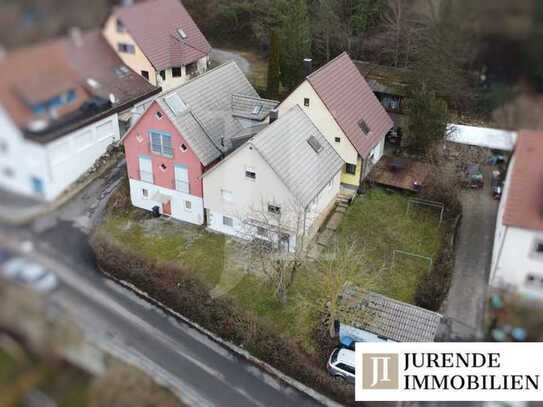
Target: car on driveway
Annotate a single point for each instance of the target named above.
(341, 364)
(30, 274)
(473, 176)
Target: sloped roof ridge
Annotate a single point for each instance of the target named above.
(322, 68)
(254, 97)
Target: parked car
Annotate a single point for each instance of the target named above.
(341, 364)
(497, 184)
(473, 176)
(28, 273)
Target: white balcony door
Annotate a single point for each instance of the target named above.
(182, 179)
(146, 169)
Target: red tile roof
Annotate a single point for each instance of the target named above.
(154, 23)
(350, 99)
(524, 206)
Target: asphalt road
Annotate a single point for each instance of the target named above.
(210, 374)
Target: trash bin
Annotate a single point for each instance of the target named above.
(156, 211)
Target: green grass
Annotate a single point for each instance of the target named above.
(377, 222)
(8, 368)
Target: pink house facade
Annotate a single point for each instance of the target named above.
(163, 170)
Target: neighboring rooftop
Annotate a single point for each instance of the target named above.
(388, 318)
(524, 205)
(66, 84)
(165, 32)
(299, 154)
(482, 137)
(208, 109)
(352, 102)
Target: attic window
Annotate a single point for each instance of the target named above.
(175, 104)
(181, 34)
(158, 115)
(364, 126)
(183, 147)
(314, 143)
(257, 110)
(538, 249)
(120, 26)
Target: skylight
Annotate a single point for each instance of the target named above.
(175, 104)
(314, 143)
(364, 126)
(257, 109)
(182, 33)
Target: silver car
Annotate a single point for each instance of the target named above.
(28, 273)
(341, 364)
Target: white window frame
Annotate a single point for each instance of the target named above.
(228, 221)
(146, 176)
(250, 170)
(161, 151)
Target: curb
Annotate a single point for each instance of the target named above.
(64, 198)
(325, 401)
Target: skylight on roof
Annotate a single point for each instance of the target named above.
(364, 126)
(314, 143)
(175, 104)
(182, 34)
(257, 110)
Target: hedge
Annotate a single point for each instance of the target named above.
(178, 288)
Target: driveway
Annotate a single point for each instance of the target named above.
(466, 299)
(221, 56)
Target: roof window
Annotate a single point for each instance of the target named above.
(314, 143)
(364, 126)
(182, 34)
(175, 104)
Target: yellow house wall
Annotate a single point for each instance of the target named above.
(325, 122)
(137, 61)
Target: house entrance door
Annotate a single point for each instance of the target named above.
(167, 208)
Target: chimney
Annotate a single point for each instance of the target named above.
(308, 66)
(274, 115)
(76, 36)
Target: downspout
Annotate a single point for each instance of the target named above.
(500, 250)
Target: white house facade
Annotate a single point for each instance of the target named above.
(44, 171)
(275, 187)
(517, 260)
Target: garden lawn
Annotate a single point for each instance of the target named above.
(377, 221)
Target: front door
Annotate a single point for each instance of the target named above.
(167, 208)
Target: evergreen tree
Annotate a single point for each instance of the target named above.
(274, 66)
(296, 43)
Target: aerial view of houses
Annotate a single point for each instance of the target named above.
(217, 203)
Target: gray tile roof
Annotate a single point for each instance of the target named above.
(386, 317)
(284, 146)
(244, 106)
(209, 124)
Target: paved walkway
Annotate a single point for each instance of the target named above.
(467, 294)
(221, 56)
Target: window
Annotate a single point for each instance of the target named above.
(176, 72)
(192, 69)
(227, 221)
(314, 143)
(162, 74)
(161, 143)
(183, 147)
(306, 102)
(538, 248)
(145, 74)
(337, 140)
(188, 205)
(146, 169)
(182, 179)
(364, 126)
(145, 193)
(158, 115)
(250, 173)
(120, 26)
(346, 368)
(261, 231)
(350, 169)
(276, 210)
(175, 104)
(163, 167)
(3, 146)
(226, 195)
(530, 279)
(127, 49)
(257, 110)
